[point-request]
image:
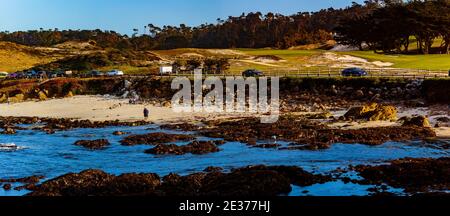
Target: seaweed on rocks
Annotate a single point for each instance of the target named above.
(154, 139)
(248, 181)
(413, 175)
(196, 147)
(93, 144)
(60, 124)
(305, 134)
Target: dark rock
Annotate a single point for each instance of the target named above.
(29, 180)
(29, 187)
(418, 121)
(54, 124)
(414, 175)
(249, 181)
(443, 119)
(242, 182)
(7, 187)
(213, 169)
(93, 144)
(119, 133)
(219, 142)
(308, 135)
(49, 131)
(155, 138)
(272, 145)
(98, 183)
(182, 127)
(196, 147)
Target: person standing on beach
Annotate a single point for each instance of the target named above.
(146, 113)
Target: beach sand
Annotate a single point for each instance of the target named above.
(101, 108)
(96, 108)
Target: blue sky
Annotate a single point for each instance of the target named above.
(124, 15)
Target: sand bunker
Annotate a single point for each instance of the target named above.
(341, 61)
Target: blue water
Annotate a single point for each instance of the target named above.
(54, 155)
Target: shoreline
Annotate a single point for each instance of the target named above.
(102, 108)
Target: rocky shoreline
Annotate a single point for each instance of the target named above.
(312, 129)
(306, 134)
(50, 125)
(415, 176)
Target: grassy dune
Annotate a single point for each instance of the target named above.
(15, 57)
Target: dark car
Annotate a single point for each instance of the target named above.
(96, 73)
(55, 74)
(41, 74)
(252, 73)
(357, 72)
(19, 75)
(31, 74)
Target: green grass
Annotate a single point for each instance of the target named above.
(127, 69)
(281, 53)
(425, 62)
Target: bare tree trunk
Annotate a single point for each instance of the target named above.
(406, 45)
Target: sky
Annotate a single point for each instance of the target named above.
(125, 15)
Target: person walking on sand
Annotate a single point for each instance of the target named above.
(146, 112)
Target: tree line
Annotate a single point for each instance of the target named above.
(252, 30)
(397, 25)
(386, 25)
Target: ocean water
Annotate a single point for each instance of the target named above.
(33, 152)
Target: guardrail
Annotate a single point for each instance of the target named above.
(336, 72)
(307, 72)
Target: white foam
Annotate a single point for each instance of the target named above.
(10, 147)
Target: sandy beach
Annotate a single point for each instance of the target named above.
(96, 108)
(100, 108)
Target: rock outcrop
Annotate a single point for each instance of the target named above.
(17, 98)
(155, 138)
(97, 183)
(196, 147)
(9, 131)
(248, 181)
(418, 121)
(372, 112)
(414, 175)
(93, 144)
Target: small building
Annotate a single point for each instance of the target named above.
(165, 70)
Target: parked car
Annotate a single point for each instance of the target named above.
(115, 73)
(358, 72)
(55, 74)
(30, 74)
(96, 73)
(12, 76)
(17, 75)
(41, 74)
(252, 73)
